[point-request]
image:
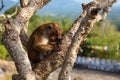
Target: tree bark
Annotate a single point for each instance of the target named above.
(12, 40)
(86, 25)
(23, 34)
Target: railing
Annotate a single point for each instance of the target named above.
(98, 64)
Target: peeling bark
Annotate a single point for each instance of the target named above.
(12, 40)
(13, 44)
(86, 25)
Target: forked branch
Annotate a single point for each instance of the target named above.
(12, 42)
(85, 27)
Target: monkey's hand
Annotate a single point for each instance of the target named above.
(43, 47)
(52, 43)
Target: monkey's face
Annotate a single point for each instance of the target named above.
(55, 31)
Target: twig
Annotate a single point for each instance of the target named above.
(13, 14)
(2, 2)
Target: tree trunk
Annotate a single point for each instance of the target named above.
(13, 43)
(92, 16)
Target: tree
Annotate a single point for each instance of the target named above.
(15, 36)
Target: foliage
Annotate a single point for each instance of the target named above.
(105, 34)
(37, 20)
(3, 52)
(117, 23)
(11, 10)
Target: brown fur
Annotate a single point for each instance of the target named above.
(43, 40)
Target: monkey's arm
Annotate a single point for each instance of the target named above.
(42, 45)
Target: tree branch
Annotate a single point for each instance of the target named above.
(12, 41)
(104, 3)
(4, 18)
(13, 14)
(87, 23)
(23, 34)
(31, 8)
(2, 5)
(8, 16)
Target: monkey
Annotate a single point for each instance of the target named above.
(43, 40)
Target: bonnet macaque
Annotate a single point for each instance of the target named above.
(43, 40)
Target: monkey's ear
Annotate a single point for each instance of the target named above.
(49, 26)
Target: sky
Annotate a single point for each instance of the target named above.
(55, 6)
(73, 0)
(77, 1)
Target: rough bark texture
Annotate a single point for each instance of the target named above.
(86, 25)
(23, 34)
(12, 40)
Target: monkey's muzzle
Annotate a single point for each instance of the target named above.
(55, 38)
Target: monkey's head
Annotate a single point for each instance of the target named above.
(54, 31)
